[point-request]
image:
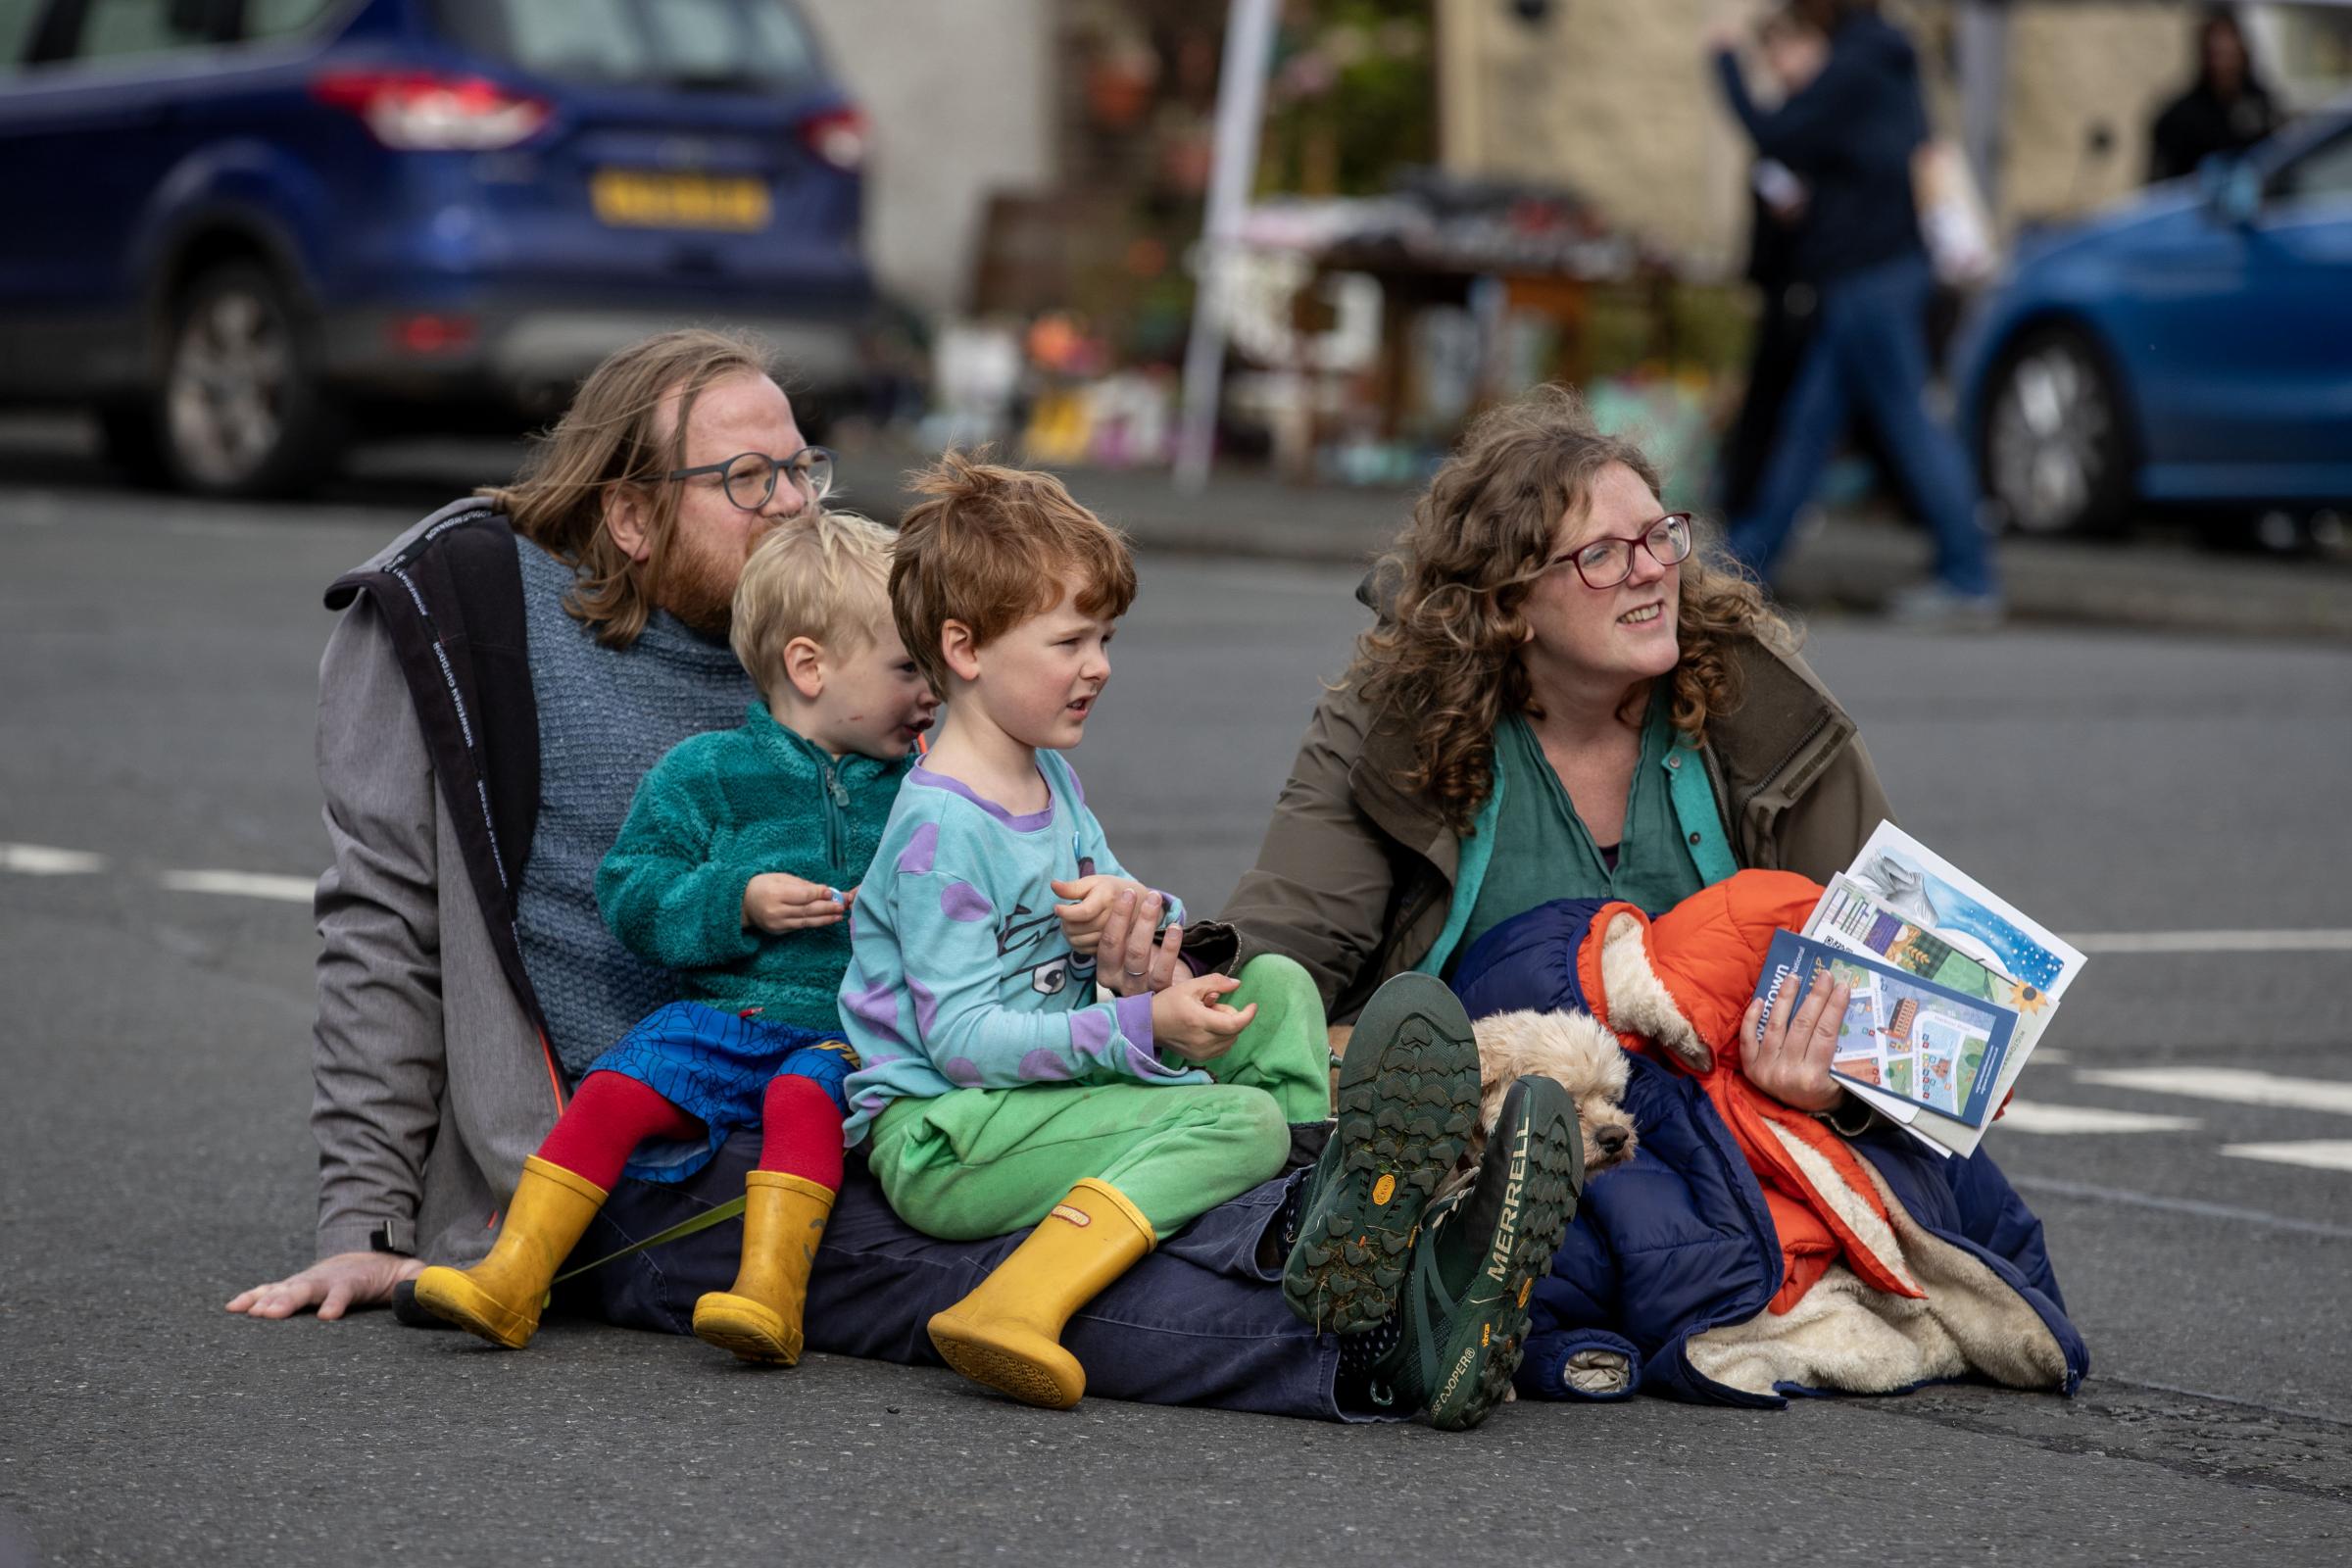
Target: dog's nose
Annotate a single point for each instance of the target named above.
(1610, 1138)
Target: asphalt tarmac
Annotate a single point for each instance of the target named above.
(2175, 802)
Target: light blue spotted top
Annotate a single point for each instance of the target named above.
(960, 976)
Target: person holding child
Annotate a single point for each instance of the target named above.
(501, 677)
(1559, 698)
(996, 1093)
(730, 871)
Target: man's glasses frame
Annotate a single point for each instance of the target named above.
(811, 467)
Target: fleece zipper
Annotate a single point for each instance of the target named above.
(837, 805)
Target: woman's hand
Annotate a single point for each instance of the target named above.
(1128, 960)
(1188, 1019)
(776, 903)
(1790, 1060)
(333, 1285)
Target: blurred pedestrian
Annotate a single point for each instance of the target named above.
(1793, 51)
(1851, 135)
(2226, 110)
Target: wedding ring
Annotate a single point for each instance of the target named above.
(1136, 974)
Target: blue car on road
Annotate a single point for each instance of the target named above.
(242, 231)
(2191, 347)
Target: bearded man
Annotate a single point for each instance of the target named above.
(503, 676)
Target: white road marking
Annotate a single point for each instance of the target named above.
(242, 884)
(2317, 1153)
(2152, 942)
(2031, 1116)
(40, 859)
(2237, 1086)
(2226, 1212)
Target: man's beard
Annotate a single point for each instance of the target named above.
(698, 584)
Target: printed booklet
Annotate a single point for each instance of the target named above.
(1906, 1037)
(1905, 904)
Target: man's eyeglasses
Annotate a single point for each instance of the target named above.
(750, 477)
(1607, 562)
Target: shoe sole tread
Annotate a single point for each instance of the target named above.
(1409, 1118)
(457, 1300)
(1005, 1371)
(744, 1329)
(1547, 1204)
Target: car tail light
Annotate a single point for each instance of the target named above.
(428, 111)
(836, 136)
(432, 334)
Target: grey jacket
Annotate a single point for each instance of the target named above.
(432, 1076)
(1355, 877)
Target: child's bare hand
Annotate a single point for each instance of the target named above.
(775, 902)
(1189, 1019)
(1092, 901)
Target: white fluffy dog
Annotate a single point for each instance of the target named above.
(1572, 1047)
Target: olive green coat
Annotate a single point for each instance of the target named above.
(1356, 879)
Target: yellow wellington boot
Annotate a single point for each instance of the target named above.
(1007, 1333)
(499, 1298)
(759, 1319)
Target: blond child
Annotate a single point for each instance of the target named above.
(736, 868)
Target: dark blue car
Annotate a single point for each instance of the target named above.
(245, 230)
(2191, 347)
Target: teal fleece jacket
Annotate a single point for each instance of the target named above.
(719, 810)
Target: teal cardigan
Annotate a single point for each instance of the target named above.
(1694, 813)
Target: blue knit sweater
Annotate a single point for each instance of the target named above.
(720, 809)
(605, 716)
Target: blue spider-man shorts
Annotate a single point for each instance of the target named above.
(716, 1065)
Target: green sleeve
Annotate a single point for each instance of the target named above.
(660, 890)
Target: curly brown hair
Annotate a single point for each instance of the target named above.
(1446, 650)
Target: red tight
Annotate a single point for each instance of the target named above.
(613, 1114)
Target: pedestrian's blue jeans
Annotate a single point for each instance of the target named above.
(1198, 1321)
(1868, 352)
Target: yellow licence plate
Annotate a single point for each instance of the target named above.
(629, 199)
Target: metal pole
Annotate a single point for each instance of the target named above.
(1980, 43)
(1241, 105)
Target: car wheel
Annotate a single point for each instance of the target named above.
(2052, 450)
(241, 411)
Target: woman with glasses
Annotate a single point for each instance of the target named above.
(1559, 700)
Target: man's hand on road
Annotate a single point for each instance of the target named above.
(333, 1285)
(776, 903)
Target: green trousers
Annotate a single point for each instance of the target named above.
(980, 1162)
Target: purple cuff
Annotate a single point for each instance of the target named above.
(1135, 1021)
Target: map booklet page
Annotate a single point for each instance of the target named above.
(1905, 1036)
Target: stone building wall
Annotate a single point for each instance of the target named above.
(959, 102)
(2075, 66)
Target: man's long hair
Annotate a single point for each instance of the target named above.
(619, 434)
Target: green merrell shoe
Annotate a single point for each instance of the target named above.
(1463, 1314)
(1408, 1101)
